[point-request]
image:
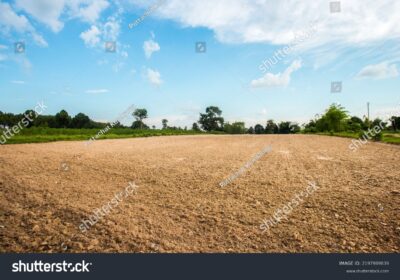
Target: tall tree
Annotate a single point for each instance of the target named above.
(284, 127)
(212, 119)
(258, 129)
(335, 117)
(63, 120)
(164, 123)
(80, 121)
(195, 127)
(139, 115)
(271, 127)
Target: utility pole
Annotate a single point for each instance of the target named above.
(368, 109)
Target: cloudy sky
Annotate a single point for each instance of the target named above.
(255, 59)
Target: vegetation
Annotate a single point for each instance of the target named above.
(42, 134)
(212, 120)
(335, 122)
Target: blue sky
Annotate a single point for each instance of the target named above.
(155, 65)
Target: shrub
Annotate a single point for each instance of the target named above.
(377, 137)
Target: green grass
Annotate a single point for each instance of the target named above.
(40, 135)
(388, 136)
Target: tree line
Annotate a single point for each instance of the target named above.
(337, 119)
(334, 119)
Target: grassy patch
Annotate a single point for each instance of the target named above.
(40, 135)
(388, 137)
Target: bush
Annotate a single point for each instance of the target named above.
(377, 137)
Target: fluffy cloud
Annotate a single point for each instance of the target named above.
(11, 21)
(108, 30)
(150, 47)
(154, 77)
(91, 36)
(276, 22)
(382, 70)
(88, 10)
(45, 11)
(49, 12)
(276, 80)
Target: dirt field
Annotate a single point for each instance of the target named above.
(46, 190)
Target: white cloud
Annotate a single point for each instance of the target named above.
(111, 29)
(11, 21)
(97, 91)
(379, 71)
(91, 37)
(150, 47)
(18, 82)
(45, 11)
(154, 77)
(276, 22)
(102, 32)
(87, 10)
(276, 80)
(49, 12)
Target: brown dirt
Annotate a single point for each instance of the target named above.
(47, 189)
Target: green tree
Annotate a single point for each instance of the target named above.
(63, 120)
(139, 125)
(139, 115)
(284, 127)
(395, 122)
(271, 127)
(258, 129)
(294, 128)
(212, 120)
(334, 119)
(235, 128)
(379, 122)
(195, 127)
(80, 121)
(164, 123)
(30, 114)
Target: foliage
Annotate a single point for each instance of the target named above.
(271, 127)
(164, 123)
(212, 120)
(258, 129)
(195, 127)
(139, 115)
(235, 128)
